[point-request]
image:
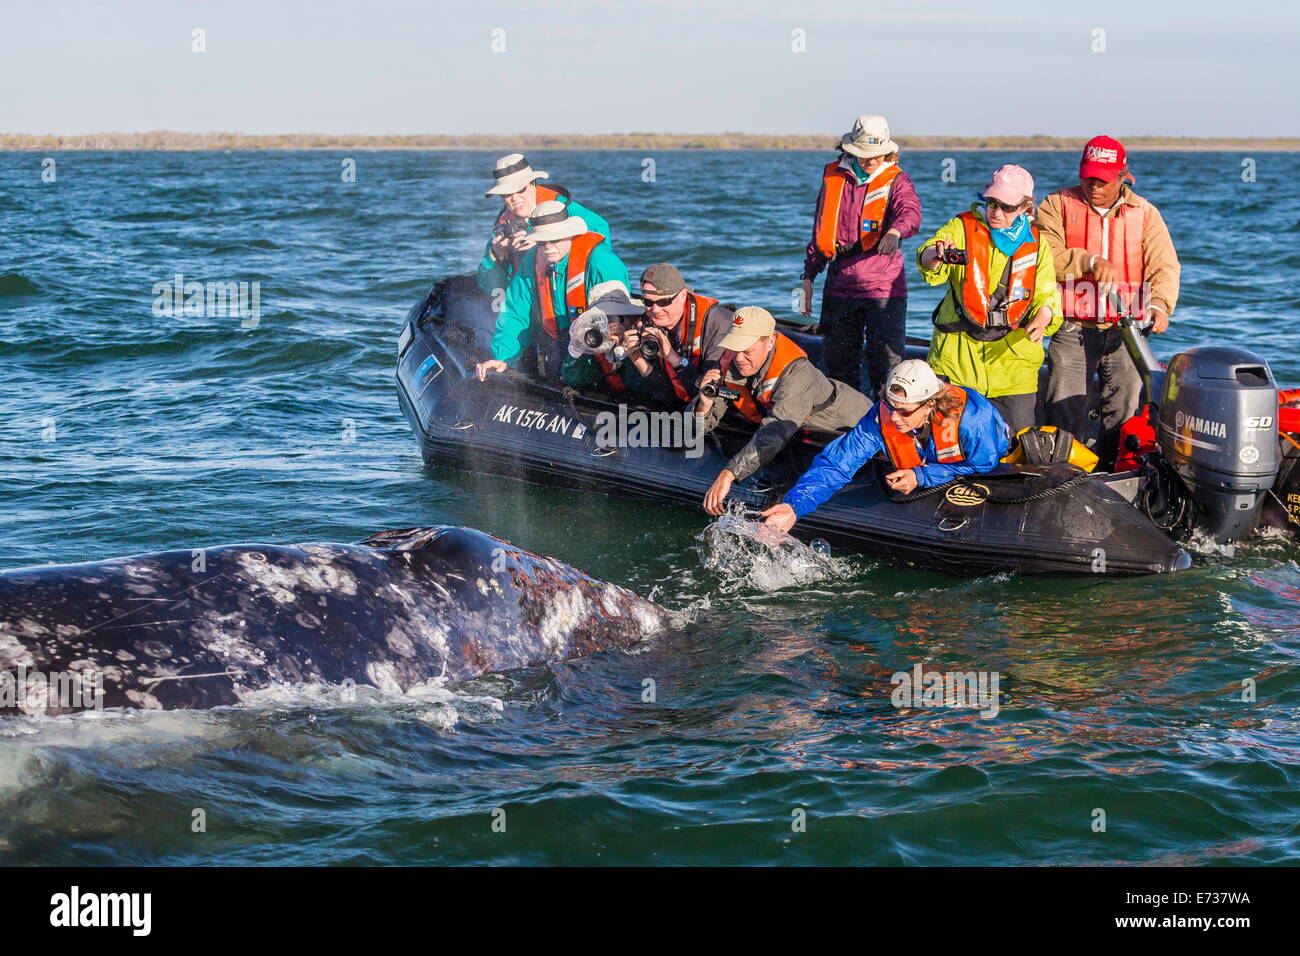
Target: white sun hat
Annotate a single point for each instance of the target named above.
(551, 221)
(512, 173)
(869, 137)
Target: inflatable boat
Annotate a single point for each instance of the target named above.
(1021, 519)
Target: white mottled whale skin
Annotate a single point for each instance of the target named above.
(392, 611)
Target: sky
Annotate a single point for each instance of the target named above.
(1157, 67)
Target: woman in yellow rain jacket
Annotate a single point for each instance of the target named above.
(1002, 297)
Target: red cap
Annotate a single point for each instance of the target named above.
(1103, 158)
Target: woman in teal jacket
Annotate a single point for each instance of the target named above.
(541, 316)
(516, 184)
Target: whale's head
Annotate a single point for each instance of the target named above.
(463, 561)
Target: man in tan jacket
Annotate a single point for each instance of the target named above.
(1113, 256)
(775, 386)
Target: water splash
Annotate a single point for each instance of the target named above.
(747, 554)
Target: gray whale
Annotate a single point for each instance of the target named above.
(198, 629)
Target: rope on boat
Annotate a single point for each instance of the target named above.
(1076, 481)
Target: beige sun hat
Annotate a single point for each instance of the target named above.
(551, 221)
(612, 298)
(512, 173)
(869, 137)
(750, 324)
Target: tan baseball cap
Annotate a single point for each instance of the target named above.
(750, 324)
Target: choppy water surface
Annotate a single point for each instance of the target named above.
(124, 432)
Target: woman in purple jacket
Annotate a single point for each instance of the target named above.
(866, 207)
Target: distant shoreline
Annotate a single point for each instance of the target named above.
(182, 142)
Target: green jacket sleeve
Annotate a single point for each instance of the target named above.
(1046, 291)
(581, 372)
(604, 266)
(513, 331)
(952, 233)
(492, 274)
(595, 222)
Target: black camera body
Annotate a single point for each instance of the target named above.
(953, 257)
(510, 228)
(718, 390)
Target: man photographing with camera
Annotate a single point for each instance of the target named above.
(772, 383)
(516, 182)
(679, 338)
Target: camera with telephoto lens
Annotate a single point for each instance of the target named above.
(953, 257)
(510, 228)
(596, 339)
(718, 390)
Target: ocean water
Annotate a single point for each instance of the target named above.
(772, 738)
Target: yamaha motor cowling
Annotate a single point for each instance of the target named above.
(1217, 431)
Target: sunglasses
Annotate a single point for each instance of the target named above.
(905, 412)
(658, 303)
(994, 204)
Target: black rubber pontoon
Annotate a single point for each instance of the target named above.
(1016, 520)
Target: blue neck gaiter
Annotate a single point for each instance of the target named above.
(1011, 238)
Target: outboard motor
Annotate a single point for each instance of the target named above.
(1217, 430)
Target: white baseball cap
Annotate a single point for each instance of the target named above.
(912, 381)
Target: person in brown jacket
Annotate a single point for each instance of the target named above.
(777, 388)
(1113, 256)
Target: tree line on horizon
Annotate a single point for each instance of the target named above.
(173, 140)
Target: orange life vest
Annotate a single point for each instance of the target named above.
(613, 378)
(1288, 409)
(902, 447)
(575, 296)
(973, 305)
(575, 283)
(691, 336)
(1116, 237)
(752, 403)
(871, 217)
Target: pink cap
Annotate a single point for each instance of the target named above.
(1010, 184)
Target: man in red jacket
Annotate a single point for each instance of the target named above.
(1113, 256)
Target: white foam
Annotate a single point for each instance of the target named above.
(749, 554)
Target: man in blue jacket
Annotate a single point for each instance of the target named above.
(930, 430)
